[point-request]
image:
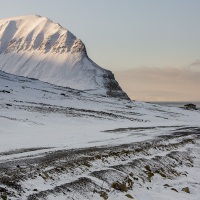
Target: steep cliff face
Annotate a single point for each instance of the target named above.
(35, 47)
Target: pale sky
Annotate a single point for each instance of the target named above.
(123, 35)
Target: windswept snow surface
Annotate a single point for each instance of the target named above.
(62, 143)
(37, 114)
(34, 46)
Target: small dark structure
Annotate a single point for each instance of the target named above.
(190, 106)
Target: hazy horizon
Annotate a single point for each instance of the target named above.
(161, 84)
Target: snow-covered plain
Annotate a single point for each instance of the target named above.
(40, 120)
(44, 115)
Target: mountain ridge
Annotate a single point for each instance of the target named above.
(35, 47)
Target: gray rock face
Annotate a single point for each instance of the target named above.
(113, 88)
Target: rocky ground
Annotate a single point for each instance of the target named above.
(165, 164)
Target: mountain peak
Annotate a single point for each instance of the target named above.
(34, 32)
(35, 47)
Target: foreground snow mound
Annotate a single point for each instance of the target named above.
(35, 47)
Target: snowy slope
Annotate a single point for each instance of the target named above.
(62, 143)
(55, 116)
(35, 47)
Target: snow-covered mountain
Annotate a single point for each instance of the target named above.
(35, 47)
(62, 143)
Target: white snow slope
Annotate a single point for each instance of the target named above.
(40, 122)
(35, 47)
(41, 114)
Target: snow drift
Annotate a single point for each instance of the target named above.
(35, 47)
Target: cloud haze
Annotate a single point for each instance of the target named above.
(162, 84)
